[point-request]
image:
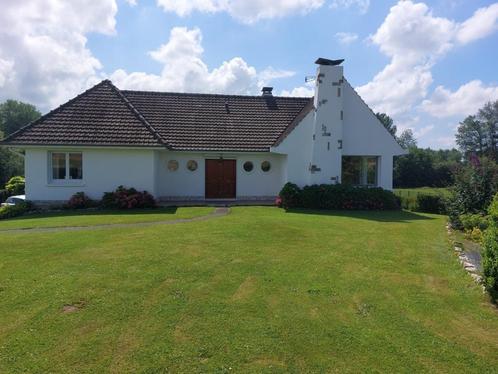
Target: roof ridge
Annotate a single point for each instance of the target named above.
(53, 111)
(137, 113)
(213, 94)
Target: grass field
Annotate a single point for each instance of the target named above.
(258, 290)
(100, 217)
(413, 192)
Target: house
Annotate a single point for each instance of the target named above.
(193, 147)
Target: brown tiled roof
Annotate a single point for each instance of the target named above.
(107, 116)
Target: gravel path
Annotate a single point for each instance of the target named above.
(218, 212)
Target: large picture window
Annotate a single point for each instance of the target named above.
(66, 166)
(359, 170)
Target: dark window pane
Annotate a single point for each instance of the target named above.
(75, 166)
(351, 170)
(58, 165)
(265, 166)
(248, 166)
(372, 171)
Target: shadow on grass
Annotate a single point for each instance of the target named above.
(380, 216)
(95, 212)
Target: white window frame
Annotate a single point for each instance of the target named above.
(67, 180)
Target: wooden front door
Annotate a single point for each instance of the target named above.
(220, 179)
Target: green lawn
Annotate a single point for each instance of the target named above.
(100, 217)
(258, 290)
(413, 192)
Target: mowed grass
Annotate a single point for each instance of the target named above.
(100, 217)
(258, 290)
(413, 192)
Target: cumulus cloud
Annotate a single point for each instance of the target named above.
(185, 71)
(43, 54)
(415, 40)
(467, 99)
(346, 37)
(247, 11)
(307, 90)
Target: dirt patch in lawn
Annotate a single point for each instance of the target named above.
(246, 289)
(74, 307)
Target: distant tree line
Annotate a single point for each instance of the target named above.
(420, 167)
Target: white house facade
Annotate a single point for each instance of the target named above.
(198, 147)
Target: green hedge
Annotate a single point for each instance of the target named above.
(337, 196)
(11, 211)
(490, 252)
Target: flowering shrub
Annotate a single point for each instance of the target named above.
(338, 196)
(128, 198)
(15, 186)
(490, 252)
(79, 201)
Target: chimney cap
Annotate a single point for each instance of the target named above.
(267, 91)
(326, 61)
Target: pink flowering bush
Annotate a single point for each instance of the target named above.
(128, 198)
(79, 201)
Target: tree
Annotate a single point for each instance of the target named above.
(15, 114)
(470, 136)
(11, 164)
(478, 134)
(407, 140)
(488, 115)
(387, 122)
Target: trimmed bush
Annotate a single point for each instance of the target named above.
(10, 211)
(79, 201)
(127, 198)
(289, 196)
(430, 204)
(338, 196)
(15, 186)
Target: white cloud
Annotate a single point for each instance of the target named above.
(307, 90)
(421, 132)
(480, 25)
(362, 5)
(346, 37)
(247, 11)
(415, 40)
(185, 71)
(467, 99)
(43, 54)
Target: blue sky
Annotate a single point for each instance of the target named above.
(427, 64)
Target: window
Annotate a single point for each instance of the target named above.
(172, 165)
(248, 166)
(359, 170)
(192, 165)
(67, 165)
(265, 166)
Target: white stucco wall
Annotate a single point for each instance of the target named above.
(364, 135)
(298, 146)
(104, 169)
(187, 184)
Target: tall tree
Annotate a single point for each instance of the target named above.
(387, 122)
(479, 133)
(11, 164)
(16, 114)
(488, 115)
(407, 139)
(471, 136)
